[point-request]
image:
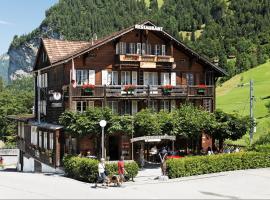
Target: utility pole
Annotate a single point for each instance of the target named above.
(251, 113)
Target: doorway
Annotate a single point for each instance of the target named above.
(114, 147)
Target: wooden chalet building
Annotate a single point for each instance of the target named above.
(143, 57)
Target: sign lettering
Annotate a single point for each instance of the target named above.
(152, 28)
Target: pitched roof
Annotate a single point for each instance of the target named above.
(63, 50)
(59, 49)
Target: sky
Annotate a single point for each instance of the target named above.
(19, 17)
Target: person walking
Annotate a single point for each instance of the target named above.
(101, 172)
(121, 170)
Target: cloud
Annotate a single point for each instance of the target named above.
(2, 22)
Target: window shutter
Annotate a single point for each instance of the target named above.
(117, 48)
(173, 78)
(92, 78)
(139, 46)
(134, 78)
(146, 78)
(173, 105)
(134, 107)
(104, 74)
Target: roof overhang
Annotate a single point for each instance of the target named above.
(153, 138)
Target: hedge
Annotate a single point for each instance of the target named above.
(198, 165)
(85, 169)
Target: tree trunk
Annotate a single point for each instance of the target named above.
(220, 145)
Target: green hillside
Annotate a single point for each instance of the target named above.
(232, 97)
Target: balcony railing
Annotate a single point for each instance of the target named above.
(143, 91)
(146, 58)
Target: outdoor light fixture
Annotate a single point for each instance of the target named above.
(102, 123)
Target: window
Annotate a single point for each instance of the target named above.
(43, 106)
(157, 49)
(165, 78)
(165, 105)
(125, 78)
(45, 140)
(40, 142)
(148, 49)
(190, 78)
(122, 47)
(51, 140)
(132, 48)
(113, 105)
(139, 48)
(81, 77)
(42, 80)
(34, 135)
(163, 50)
(153, 104)
(143, 49)
(112, 78)
(81, 106)
(150, 78)
(126, 108)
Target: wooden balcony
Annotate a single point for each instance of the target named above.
(146, 58)
(143, 91)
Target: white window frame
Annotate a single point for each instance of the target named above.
(163, 50)
(139, 48)
(34, 135)
(112, 77)
(82, 76)
(165, 105)
(148, 49)
(165, 78)
(157, 49)
(132, 48)
(125, 77)
(45, 140)
(143, 48)
(51, 140)
(122, 48)
(190, 78)
(153, 105)
(113, 105)
(81, 109)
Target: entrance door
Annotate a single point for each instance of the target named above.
(114, 147)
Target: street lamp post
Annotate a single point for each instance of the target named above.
(102, 123)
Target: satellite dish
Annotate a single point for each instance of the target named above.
(57, 96)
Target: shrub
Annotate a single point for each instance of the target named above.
(216, 163)
(85, 169)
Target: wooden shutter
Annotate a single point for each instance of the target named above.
(173, 78)
(134, 107)
(104, 74)
(134, 78)
(92, 78)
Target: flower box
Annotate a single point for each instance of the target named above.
(88, 89)
(201, 89)
(167, 89)
(129, 89)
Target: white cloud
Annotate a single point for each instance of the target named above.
(5, 22)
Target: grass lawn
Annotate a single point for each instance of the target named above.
(232, 98)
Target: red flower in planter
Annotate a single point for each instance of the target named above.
(202, 86)
(167, 87)
(129, 88)
(88, 86)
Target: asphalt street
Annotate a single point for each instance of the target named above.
(244, 184)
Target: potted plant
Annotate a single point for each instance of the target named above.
(201, 89)
(88, 89)
(129, 89)
(167, 89)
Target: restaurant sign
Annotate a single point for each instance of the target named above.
(152, 28)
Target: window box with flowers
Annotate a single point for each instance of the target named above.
(129, 89)
(201, 89)
(167, 89)
(88, 89)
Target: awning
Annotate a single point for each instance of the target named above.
(46, 125)
(153, 138)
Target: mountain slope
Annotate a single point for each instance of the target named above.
(4, 63)
(233, 96)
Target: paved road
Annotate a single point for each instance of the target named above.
(248, 184)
